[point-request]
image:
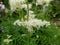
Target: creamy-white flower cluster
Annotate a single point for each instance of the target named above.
(41, 2)
(32, 23)
(25, 6)
(14, 4)
(31, 15)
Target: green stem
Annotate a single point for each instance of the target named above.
(22, 15)
(27, 10)
(27, 20)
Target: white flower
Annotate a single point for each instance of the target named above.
(16, 4)
(30, 16)
(31, 12)
(46, 23)
(41, 2)
(25, 6)
(8, 36)
(7, 41)
(30, 29)
(17, 22)
(34, 23)
(37, 36)
(48, 1)
(23, 35)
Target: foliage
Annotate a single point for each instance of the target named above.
(18, 35)
(54, 10)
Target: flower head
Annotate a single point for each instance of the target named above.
(7, 41)
(33, 23)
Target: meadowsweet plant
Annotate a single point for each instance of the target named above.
(27, 23)
(21, 4)
(32, 22)
(14, 4)
(24, 4)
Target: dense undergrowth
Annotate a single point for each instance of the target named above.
(11, 34)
